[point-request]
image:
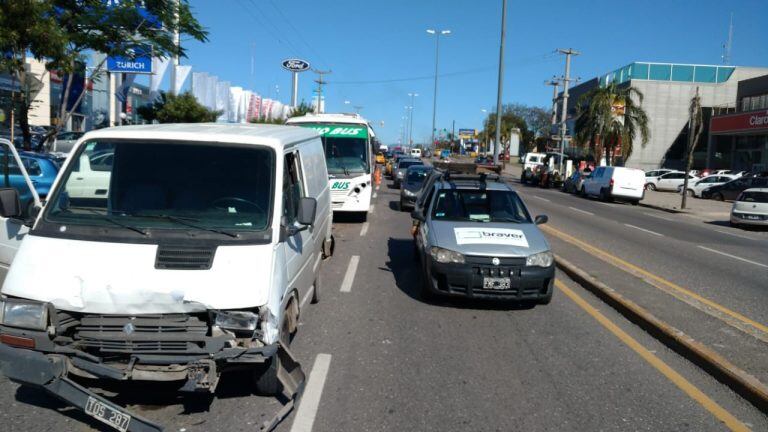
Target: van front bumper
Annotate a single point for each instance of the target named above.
(467, 280)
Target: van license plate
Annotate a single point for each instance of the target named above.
(106, 414)
(496, 283)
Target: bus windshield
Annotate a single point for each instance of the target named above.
(346, 155)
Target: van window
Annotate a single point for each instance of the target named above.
(293, 187)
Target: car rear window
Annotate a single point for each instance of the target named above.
(757, 197)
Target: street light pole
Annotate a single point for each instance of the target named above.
(437, 34)
(500, 90)
(410, 120)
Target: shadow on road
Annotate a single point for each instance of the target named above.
(349, 217)
(727, 224)
(405, 267)
(394, 205)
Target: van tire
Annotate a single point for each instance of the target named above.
(316, 287)
(604, 195)
(328, 247)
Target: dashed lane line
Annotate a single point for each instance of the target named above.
(644, 230)
(728, 419)
(732, 256)
(349, 276)
(735, 235)
(370, 209)
(310, 400)
(540, 198)
(364, 229)
(581, 211)
(375, 195)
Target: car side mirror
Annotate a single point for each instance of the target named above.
(10, 206)
(541, 219)
(307, 211)
(418, 215)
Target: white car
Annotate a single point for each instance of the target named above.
(668, 181)
(751, 208)
(607, 183)
(416, 153)
(696, 187)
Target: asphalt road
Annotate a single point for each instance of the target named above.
(379, 358)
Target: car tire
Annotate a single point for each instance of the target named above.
(650, 187)
(734, 224)
(718, 197)
(690, 193)
(425, 292)
(402, 205)
(547, 299)
(317, 286)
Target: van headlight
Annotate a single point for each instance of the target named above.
(237, 320)
(446, 256)
(541, 259)
(24, 314)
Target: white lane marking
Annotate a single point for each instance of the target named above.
(543, 199)
(364, 230)
(603, 203)
(349, 276)
(370, 209)
(735, 235)
(375, 195)
(733, 256)
(658, 217)
(581, 211)
(310, 400)
(645, 230)
(306, 297)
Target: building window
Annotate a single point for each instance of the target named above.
(705, 74)
(682, 73)
(745, 104)
(661, 72)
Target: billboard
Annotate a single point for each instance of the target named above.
(467, 133)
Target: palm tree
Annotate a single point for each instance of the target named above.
(611, 117)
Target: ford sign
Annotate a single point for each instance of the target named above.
(295, 65)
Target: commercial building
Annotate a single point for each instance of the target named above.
(668, 89)
(740, 141)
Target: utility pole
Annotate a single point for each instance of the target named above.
(555, 83)
(176, 43)
(564, 110)
(410, 119)
(320, 83)
(437, 34)
(500, 90)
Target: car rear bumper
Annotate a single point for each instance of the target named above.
(466, 280)
(740, 219)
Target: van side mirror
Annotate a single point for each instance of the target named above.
(541, 219)
(307, 211)
(418, 215)
(10, 206)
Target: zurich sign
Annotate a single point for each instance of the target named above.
(295, 65)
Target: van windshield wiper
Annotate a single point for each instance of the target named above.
(186, 221)
(114, 221)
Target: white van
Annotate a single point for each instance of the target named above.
(416, 153)
(608, 182)
(196, 260)
(532, 160)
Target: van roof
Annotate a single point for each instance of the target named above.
(257, 134)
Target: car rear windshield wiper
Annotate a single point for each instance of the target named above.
(187, 221)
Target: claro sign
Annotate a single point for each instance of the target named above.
(742, 122)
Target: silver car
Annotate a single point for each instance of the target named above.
(475, 238)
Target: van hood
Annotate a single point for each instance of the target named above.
(484, 239)
(121, 278)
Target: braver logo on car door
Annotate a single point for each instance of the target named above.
(501, 236)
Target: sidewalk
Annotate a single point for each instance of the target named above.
(699, 208)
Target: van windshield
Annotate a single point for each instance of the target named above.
(166, 185)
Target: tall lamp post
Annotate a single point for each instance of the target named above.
(497, 140)
(410, 120)
(437, 34)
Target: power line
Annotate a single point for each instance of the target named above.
(296, 32)
(266, 22)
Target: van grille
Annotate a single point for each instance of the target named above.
(184, 257)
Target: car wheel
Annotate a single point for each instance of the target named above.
(718, 197)
(734, 224)
(425, 290)
(689, 192)
(402, 205)
(650, 187)
(317, 286)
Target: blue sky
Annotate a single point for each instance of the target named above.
(365, 40)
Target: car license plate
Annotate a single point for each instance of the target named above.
(496, 283)
(752, 217)
(105, 413)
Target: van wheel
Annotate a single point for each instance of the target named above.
(604, 195)
(317, 286)
(363, 216)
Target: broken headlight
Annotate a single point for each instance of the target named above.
(446, 256)
(237, 320)
(24, 314)
(542, 259)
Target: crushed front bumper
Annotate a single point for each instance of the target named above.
(466, 280)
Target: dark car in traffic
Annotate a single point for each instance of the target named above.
(413, 182)
(731, 190)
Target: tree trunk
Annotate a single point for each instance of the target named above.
(24, 105)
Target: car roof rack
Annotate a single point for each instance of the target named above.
(481, 177)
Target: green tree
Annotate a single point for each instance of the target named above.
(509, 121)
(183, 108)
(611, 117)
(61, 32)
(302, 109)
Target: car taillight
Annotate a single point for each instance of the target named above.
(610, 183)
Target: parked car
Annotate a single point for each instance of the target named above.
(380, 158)
(532, 160)
(751, 208)
(575, 183)
(389, 168)
(608, 183)
(41, 169)
(398, 172)
(731, 190)
(476, 239)
(186, 270)
(696, 187)
(413, 181)
(668, 181)
(65, 141)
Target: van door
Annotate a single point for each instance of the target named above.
(12, 231)
(299, 248)
(593, 184)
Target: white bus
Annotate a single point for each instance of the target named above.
(348, 142)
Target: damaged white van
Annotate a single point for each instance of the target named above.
(168, 253)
